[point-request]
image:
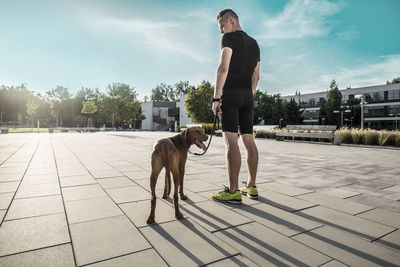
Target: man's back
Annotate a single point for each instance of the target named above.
(246, 54)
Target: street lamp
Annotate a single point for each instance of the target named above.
(341, 115)
(323, 120)
(280, 123)
(362, 104)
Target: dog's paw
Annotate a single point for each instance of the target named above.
(184, 197)
(179, 216)
(150, 221)
(165, 196)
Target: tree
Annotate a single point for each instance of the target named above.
(333, 102)
(395, 80)
(57, 97)
(264, 108)
(89, 107)
(198, 103)
(164, 92)
(122, 101)
(31, 110)
(292, 113)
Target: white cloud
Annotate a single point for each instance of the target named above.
(161, 35)
(367, 74)
(301, 18)
(348, 35)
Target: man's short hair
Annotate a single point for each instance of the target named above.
(224, 14)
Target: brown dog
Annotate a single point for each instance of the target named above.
(171, 153)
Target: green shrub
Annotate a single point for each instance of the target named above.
(264, 134)
(345, 135)
(370, 137)
(386, 138)
(356, 136)
(397, 137)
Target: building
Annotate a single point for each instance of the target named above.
(382, 110)
(164, 116)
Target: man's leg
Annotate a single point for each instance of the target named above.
(233, 159)
(252, 158)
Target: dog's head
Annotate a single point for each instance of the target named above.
(195, 135)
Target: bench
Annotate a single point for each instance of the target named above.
(4, 130)
(328, 132)
(78, 130)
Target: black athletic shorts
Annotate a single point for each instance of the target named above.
(237, 111)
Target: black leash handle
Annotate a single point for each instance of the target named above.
(209, 142)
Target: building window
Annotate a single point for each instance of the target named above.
(394, 95)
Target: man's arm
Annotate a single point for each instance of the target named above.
(256, 77)
(222, 73)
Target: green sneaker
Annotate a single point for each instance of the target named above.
(227, 197)
(251, 192)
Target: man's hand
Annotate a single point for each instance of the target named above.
(216, 107)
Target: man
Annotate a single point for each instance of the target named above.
(237, 77)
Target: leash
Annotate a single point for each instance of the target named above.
(216, 118)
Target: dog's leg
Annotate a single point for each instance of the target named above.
(167, 186)
(175, 175)
(181, 175)
(156, 166)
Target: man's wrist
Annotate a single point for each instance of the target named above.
(216, 99)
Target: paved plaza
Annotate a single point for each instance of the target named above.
(70, 199)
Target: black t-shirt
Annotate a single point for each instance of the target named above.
(245, 56)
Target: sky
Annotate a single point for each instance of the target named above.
(93, 43)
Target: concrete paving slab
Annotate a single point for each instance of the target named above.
(335, 203)
(267, 247)
(142, 174)
(83, 192)
(104, 239)
(138, 212)
(2, 214)
(196, 185)
(73, 172)
(91, 209)
(37, 206)
(378, 201)
(340, 192)
(382, 216)
(391, 240)
(105, 173)
(348, 249)
(214, 216)
(334, 263)
(184, 243)
(147, 257)
(395, 188)
(5, 200)
(40, 179)
(284, 189)
(33, 233)
(8, 187)
(77, 180)
(351, 224)
(10, 177)
(283, 201)
(58, 256)
(37, 190)
(279, 220)
(238, 260)
(128, 194)
(115, 182)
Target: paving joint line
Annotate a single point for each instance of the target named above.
(20, 182)
(36, 249)
(63, 201)
(117, 206)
